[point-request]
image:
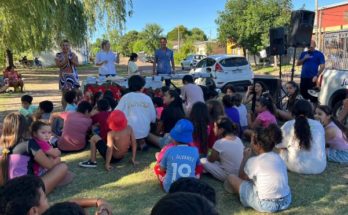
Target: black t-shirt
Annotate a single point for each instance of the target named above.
(26, 148)
(170, 116)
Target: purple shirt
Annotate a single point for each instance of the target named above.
(233, 114)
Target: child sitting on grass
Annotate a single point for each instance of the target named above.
(27, 108)
(119, 139)
(242, 111)
(265, 110)
(139, 110)
(99, 118)
(41, 134)
(190, 93)
(179, 160)
(44, 111)
(263, 180)
(230, 110)
(70, 98)
(227, 153)
(335, 135)
(76, 126)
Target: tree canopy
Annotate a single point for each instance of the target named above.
(41, 24)
(195, 34)
(248, 22)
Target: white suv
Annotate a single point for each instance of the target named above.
(225, 70)
(333, 88)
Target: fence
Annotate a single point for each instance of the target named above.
(335, 49)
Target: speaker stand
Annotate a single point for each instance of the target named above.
(293, 65)
(279, 96)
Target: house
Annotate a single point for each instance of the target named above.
(331, 18)
(208, 47)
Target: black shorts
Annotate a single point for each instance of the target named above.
(102, 149)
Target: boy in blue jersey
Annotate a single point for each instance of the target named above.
(181, 160)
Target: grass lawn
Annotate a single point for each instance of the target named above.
(134, 190)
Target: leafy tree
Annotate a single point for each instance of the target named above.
(184, 33)
(127, 42)
(140, 46)
(248, 22)
(41, 24)
(151, 35)
(198, 35)
(185, 49)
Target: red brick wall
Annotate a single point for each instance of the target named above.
(335, 16)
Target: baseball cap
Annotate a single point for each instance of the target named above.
(117, 121)
(182, 131)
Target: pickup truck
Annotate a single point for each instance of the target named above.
(333, 85)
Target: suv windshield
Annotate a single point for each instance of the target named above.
(233, 62)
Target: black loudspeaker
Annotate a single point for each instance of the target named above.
(272, 85)
(301, 28)
(277, 39)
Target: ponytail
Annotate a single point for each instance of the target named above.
(301, 111)
(303, 132)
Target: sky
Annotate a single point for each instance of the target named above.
(190, 13)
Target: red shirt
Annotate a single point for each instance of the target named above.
(101, 119)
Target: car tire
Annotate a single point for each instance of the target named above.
(337, 109)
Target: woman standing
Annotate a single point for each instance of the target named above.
(68, 77)
(106, 60)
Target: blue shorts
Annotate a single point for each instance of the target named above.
(249, 198)
(339, 156)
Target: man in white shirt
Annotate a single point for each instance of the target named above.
(106, 60)
(139, 109)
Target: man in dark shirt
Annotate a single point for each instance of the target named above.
(313, 64)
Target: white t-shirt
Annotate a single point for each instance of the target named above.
(191, 94)
(268, 172)
(312, 161)
(140, 112)
(230, 153)
(108, 68)
(132, 67)
(243, 120)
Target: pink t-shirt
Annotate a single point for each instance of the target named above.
(266, 118)
(75, 130)
(339, 142)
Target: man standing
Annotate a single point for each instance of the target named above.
(313, 64)
(163, 58)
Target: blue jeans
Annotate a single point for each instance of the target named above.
(249, 198)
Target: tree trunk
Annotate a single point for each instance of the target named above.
(244, 52)
(255, 60)
(9, 55)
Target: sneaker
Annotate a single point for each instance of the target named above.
(88, 164)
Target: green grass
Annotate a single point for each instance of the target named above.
(134, 190)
